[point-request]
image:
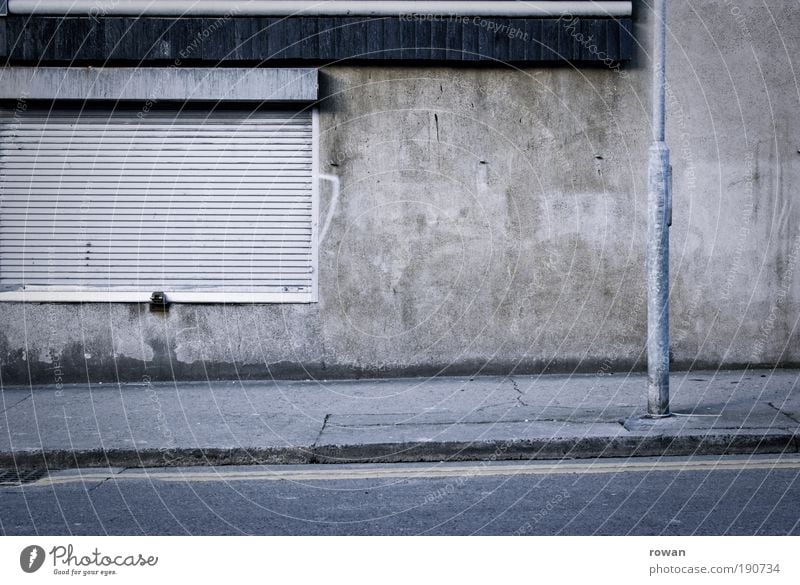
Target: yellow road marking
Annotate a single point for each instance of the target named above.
(336, 473)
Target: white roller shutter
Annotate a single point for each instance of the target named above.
(114, 204)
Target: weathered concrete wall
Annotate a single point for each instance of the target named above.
(492, 220)
(734, 135)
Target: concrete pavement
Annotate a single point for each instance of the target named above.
(399, 420)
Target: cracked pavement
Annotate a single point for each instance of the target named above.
(388, 420)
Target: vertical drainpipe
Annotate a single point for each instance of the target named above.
(659, 213)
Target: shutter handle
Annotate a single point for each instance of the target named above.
(158, 301)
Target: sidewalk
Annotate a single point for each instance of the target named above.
(445, 419)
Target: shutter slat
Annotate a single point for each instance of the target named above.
(41, 265)
(175, 198)
(66, 256)
(189, 246)
(151, 193)
(143, 156)
(102, 184)
(147, 214)
(67, 174)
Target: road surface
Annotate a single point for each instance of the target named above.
(643, 496)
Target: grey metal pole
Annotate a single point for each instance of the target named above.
(658, 220)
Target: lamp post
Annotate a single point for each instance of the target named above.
(659, 218)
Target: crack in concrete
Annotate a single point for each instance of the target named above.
(110, 475)
(532, 419)
(94, 487)
(5, 410)
(496, 405)
(322, 428)
(520, 393)
(784, 413)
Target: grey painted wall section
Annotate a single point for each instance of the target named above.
(163, 83)
(312, 40)
(494, 220)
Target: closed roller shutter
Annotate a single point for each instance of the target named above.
(205, 205)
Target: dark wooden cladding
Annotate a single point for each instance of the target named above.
(313, 39)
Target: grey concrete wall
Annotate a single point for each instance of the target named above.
(734, 134)
(493, 220)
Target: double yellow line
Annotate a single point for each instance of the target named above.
(421, 471)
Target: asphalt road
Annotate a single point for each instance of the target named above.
(681, 496)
